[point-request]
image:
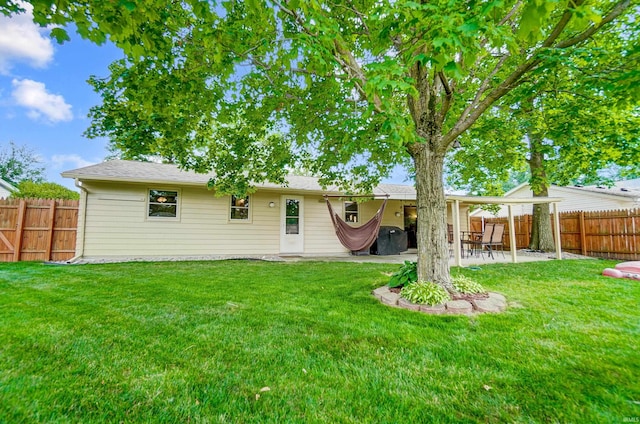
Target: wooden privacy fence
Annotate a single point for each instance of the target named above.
(601, 234)
(37, 229)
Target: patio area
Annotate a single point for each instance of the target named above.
(468, 260)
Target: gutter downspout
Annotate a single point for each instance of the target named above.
(82, 215)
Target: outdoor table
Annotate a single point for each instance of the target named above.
(468, 238)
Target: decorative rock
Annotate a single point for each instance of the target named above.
(435, 309)
(404, 303)
(380, 291)
(492, 302)
(489, 305)
(494, 295)
(390, 298)
(459, 307)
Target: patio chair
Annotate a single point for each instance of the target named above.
(496, 239)
(477, 246)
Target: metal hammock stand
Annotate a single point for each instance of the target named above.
(356, 238)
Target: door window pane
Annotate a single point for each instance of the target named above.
(292, 219)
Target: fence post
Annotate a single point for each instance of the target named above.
(527, 234)
(22, 209)
(52, 218)
(583, 235)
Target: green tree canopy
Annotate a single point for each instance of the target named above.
(19, 163)
(563, 126)
(582, 117)
(355, 86)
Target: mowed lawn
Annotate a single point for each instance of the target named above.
(248, 341)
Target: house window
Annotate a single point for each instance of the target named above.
(351, 211)
(239, 208)
(163, 204)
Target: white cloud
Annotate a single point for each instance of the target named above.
(23, 41)
(41, 104)
(72, 161)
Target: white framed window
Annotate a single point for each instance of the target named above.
(351, 212)
(163, 204)
(240, 209)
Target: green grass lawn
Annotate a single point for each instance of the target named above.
(198, 341)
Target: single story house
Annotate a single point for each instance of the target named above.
(623, 195)
(133, 209)
(6, 189)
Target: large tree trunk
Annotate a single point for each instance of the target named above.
(428, 157)
(433, 250)
(541, 232)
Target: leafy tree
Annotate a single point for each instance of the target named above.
(564, 127)
(19, 163)
(354, 86)
(43, 190)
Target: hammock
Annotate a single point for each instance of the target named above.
(357, 238)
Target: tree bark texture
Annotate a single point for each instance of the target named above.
(541, 231)
(433, 250)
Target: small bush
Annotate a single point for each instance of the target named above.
(44, 190)
(466, 285)
(424, 293)
(407, 274)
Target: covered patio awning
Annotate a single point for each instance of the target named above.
(457, 201)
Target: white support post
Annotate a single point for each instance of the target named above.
(512, 236)
(556, 230)
(455, 211)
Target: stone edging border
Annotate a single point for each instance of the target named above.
(493, 304)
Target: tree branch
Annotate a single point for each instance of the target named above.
(512, 12)
(561, 25)
(358, 14)
(484, 86)
(297, 18)
(446, 102)
(352, 68)
(616, 11)
(476, 108)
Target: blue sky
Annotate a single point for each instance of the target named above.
(45, 97)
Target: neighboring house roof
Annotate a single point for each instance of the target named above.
(158, 173)
(628, 188)
(624, 194)
(5, 186)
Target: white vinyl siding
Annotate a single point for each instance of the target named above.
(116, 225)
(320, 236)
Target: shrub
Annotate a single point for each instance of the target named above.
(465, 284)
(424, 293)
(407, 274)
(44, 190)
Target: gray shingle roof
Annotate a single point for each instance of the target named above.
(630, 189)
(158, 173)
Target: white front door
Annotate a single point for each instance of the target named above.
(292, 224)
